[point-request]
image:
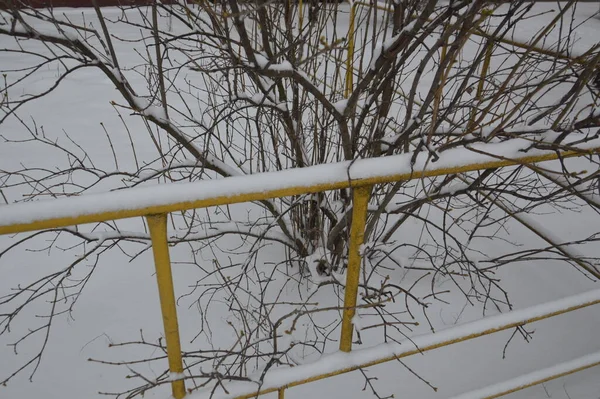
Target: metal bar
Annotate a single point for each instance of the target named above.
(481, 33)
(350, 56)
(480, 86)
(360, 202)
(376, 5)
(156, 217)
(486, 65)
(17, 218)
(164, 278)
(541, 381)
(540, 314)
(534, 378)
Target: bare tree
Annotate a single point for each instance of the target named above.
(228, 88)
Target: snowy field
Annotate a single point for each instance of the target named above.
(87, 347)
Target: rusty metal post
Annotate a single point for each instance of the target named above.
(360, 202)
(164, 277)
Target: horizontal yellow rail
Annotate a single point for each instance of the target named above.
(159, 199)
(482, 33)
(156, 202)
(534, 378)
(540, 50)
(347, 362)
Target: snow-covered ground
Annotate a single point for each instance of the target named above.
(121, 303)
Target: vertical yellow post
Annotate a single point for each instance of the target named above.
(484, 70)
(350, 57)
(437, 99)
(360, 202)
(160, 249)
(480, 85)
(281, 394)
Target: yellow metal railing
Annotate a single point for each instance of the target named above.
(160, 249)
(424, 343)
(476, 31)
(25, 217)
(360, 202)
(358, 175)
(156, 216)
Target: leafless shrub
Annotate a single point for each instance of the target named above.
(228, 88)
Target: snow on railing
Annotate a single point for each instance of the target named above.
(156, 202)
(339, 363)
(533, 378)
(142, 201)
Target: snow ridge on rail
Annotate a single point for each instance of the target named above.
(340, 362)
(140, 201)
(533, 378)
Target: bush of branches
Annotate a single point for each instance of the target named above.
(228, 88)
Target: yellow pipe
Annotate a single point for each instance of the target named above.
(422, 349)
(360, 202)
(480, 86)
(481, 33)
(541, 381)
(437, 99)
(260, 194)
(383, 8)
(486, 65)
(156, 217)
(534, 49)
(350, 57)
(160, 249)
